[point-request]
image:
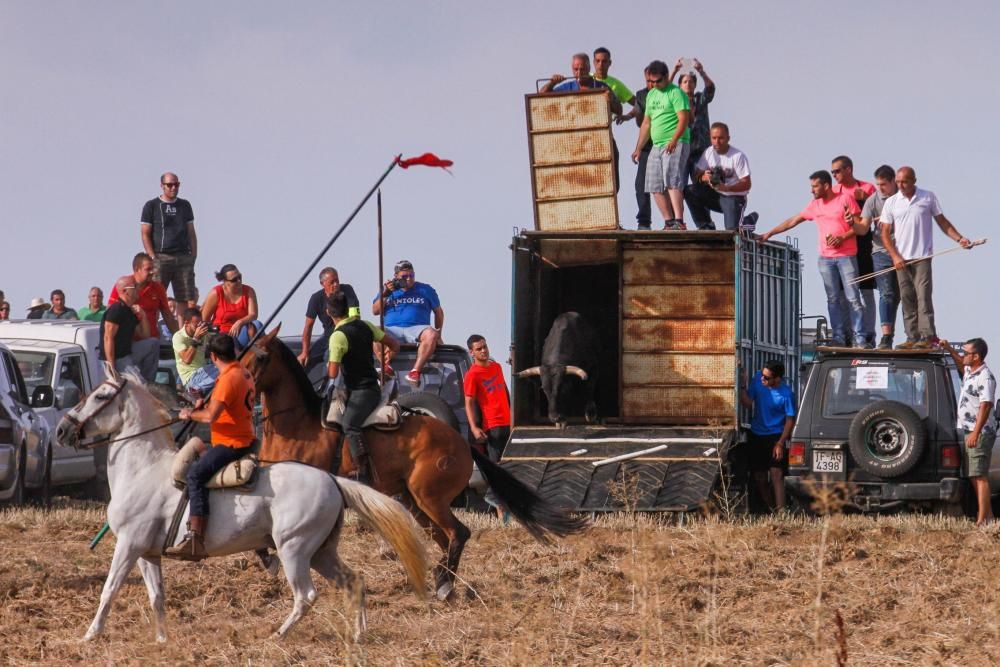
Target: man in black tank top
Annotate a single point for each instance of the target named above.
(351, 354)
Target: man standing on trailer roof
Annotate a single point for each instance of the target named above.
(842, 168)
(168, 236)
(908, 235)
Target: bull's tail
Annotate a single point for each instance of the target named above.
(541, 518)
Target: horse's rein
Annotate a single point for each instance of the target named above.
(100, 441)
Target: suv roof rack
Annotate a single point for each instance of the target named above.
(851, 351)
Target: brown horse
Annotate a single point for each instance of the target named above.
(425, 461)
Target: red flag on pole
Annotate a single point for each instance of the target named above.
(426, 160)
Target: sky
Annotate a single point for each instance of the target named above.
(278, 117)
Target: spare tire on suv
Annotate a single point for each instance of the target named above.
(887, 438)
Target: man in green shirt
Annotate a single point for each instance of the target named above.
(668, 114)
(621, 92)
(94, 310)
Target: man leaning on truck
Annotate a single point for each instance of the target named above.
(979, 389)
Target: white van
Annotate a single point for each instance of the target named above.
(63, 355)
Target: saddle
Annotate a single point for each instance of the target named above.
(386, 417)
(240, 474)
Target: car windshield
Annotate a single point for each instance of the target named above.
(36, 367)
(849, 389)
(439, 377)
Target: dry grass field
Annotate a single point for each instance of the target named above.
(632, 591)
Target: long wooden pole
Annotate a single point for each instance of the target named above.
(868, 276)
(381, 311)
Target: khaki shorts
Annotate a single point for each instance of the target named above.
(176, 270)
(977, 459)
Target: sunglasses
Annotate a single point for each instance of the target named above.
(172, 185)
(836, 171)
(235, 279)
(405, 276)
(767, 378)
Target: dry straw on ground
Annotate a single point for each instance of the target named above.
(634, 590)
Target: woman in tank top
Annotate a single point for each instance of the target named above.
(232, 306)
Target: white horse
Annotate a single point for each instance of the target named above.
(294, 508)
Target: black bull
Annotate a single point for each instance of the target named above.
(571, 349)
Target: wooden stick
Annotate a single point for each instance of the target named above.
(914, 261)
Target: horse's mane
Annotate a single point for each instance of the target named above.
(310, 399)
(138, 383)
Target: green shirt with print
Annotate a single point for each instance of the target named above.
(338, 341)
(662, 107)
(181, 342)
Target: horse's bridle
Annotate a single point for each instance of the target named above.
(79, 424)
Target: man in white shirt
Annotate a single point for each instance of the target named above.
(721, 182)
(907, 234)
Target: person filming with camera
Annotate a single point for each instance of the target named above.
(408, 307)
(721, 182)
(197, 373)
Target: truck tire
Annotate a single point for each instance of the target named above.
(430, 405)
(43, 495)
(887, 438)
(20, 465)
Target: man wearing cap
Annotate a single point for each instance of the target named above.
(168, 236)
(408, 306)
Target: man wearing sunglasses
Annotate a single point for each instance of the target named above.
(979, 389)
(408, 306)
(773, 405)
(169, 238)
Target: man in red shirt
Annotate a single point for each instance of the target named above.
(834, 215)
(842, 169)
(153, 301)
(485, 386)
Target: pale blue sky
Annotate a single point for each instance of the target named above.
(278, 117)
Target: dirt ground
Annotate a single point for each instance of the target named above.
(631, 591)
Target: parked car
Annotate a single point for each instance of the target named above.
(25, 437)
(61, 355)
(883, 425)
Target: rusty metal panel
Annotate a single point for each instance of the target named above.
(572, 167)
(684, 301)
(649, 335)
(582, 180)
(704, 370)
(576, 252)
(575, 146)
(668, 265)
(578, 214)
(679, 404)
(568, 111)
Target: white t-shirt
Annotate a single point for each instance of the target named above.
(734, 163)
(912, 222)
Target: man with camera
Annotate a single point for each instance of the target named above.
(197, 374)
(408, 306)
(721, 182)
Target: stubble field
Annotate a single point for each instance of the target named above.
(633, 590)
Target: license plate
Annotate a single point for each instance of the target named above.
(828, 461)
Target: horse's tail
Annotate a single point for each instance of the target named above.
(391, 520)
(540, 517)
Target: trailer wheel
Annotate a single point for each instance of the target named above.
(887, 438)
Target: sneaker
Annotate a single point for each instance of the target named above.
(923, 344)
(885, 343)
(863, 346)
(388, 371)
(413, 377)
(909, 344)
(644, 227)
(748, 225)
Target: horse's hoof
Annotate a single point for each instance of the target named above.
(161, 639)
(444, 591)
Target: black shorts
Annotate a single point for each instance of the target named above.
(761, 452)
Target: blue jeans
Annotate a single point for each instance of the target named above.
(243, 335)
(215, 459)
(888, 290)
(701, 199)
(837, 272)
(204, 378)
(643, 218)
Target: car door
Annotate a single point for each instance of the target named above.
(27, 423)
(69, 464)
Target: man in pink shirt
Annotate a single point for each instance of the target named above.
(834, 215)
(842, 170)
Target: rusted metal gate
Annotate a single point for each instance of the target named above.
(572, 161)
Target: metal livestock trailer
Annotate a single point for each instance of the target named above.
(677, 312)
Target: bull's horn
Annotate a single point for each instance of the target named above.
(576, 370)
(529, 372)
